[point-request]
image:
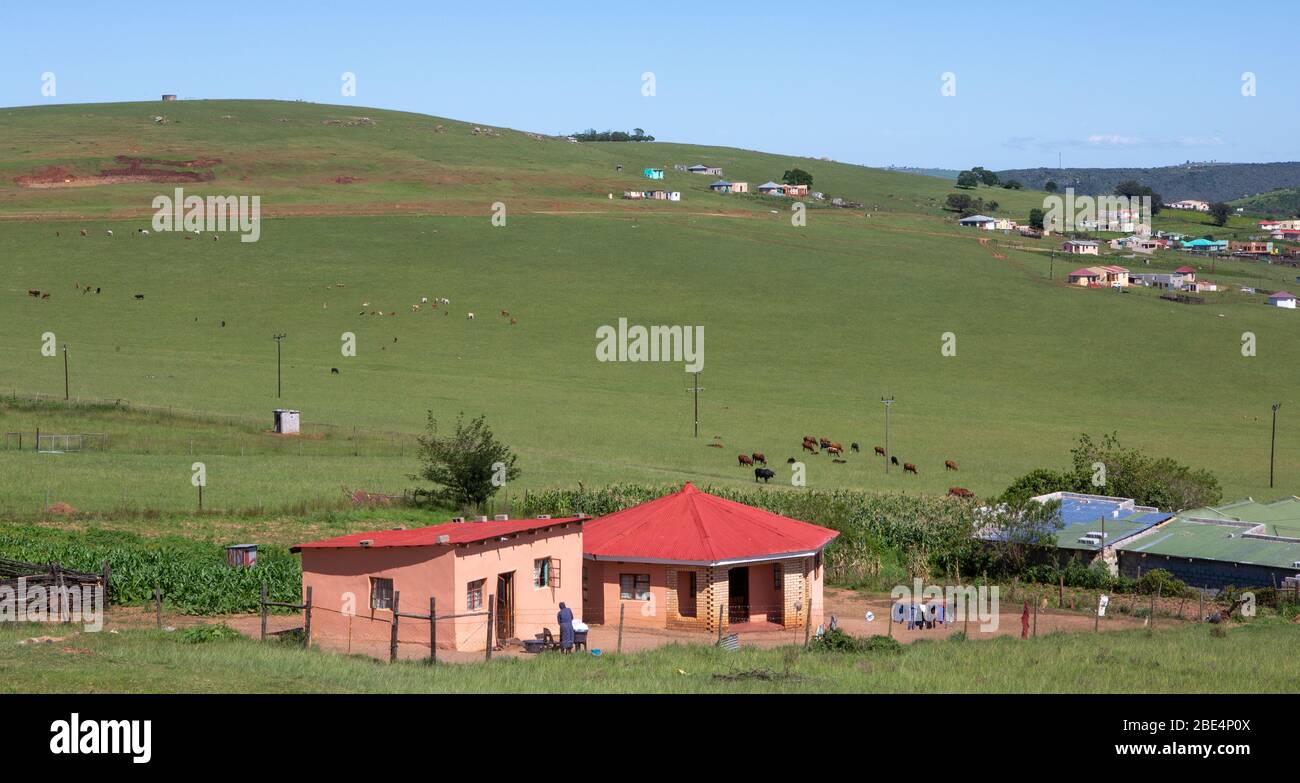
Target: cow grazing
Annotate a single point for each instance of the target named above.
(424, 300)
(108, 233)
(893, 460)
(45, 296)
(139, 296)
(34, 292)
(758, 457)
(96, 290)
(825, 442)
(790, 461)
(334, 371)
(960, 492)
(505, 313)
(910, 468)
(746, 460)
(144, 232)
(763, 473)
(714, 445)
(469, 316)
(83, 232)
(880, 451)
(513, 322)
(415, 308)
(810, 446)
(854, 447)
(835, 450)
(949, 465)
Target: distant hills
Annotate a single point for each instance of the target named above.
(1204, 181)
(1284, 202)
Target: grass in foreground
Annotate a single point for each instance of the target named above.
(1188, 659)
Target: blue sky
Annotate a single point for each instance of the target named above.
(1124, 85)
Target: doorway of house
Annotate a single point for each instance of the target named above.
(738, 595)
(505, 608)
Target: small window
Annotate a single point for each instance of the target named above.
(381, 593)
(690, 584)
(778, 576)
(474, 595)
(634, 587)
(541, 572)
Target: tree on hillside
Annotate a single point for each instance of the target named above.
(1219, 213)
(466, 467)
(985, 176)
(1036, 216)
(797, 177)
(968, 179)
(1012, 184)
(1050, 187)
(958, 202)
(1131, 188)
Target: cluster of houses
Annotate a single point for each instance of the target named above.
(688, 560)
(718, 186)
(1181, 279)
(1207, 548)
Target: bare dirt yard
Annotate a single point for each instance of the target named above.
(848, 607)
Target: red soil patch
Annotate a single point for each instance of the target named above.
(131, 170)
(345, 180)
(61, 508)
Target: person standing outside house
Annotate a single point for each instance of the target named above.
(565, 618)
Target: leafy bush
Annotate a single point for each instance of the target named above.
(1159, 578)
(201, 634)
(836, 640)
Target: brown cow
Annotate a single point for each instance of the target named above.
(34, 292)
(746, 460)
(909, 468)
(758, 457)
(960, 492)
(810, 446)
(825, 442)
(880, 451)
(836, 450)
(949, 465)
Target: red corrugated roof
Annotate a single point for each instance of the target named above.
(690, 526)
(1182, 270)
(456, 533)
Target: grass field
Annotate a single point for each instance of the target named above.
(806, 328)
(1187, 659)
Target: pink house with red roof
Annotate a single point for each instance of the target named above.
(687, 559)
(521, 568)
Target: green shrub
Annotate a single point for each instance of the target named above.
(201, 634)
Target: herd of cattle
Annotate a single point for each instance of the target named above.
(836, 450)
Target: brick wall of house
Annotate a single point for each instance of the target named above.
(678, 577)
(713, 592)
(794, 582)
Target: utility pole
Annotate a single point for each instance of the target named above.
(65, 372)
(278, 339)
(889, 401)
(1051, 269)
(1272, 446)
(697, 388)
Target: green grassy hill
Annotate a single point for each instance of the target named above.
(806, 327)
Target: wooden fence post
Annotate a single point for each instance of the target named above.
(263, 609)
(1060, 594)
(157, 599)
(1154, 596)
(392, 639)
(492, 603)
(1096, 618)
(1200, 606)
(306, 623)
(622, 611)
(722, 608)
(807, 627)
(1036, 613)
(433, 630)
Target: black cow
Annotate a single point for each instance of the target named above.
(763, 473)
(854, 447)
(893, 460)
(334, 371)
